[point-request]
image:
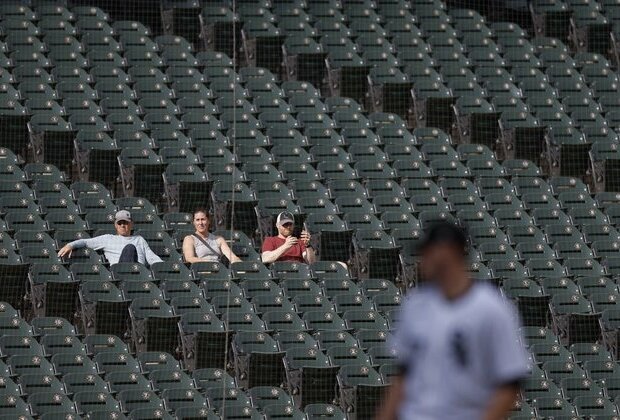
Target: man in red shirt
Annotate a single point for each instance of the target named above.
(285, 246)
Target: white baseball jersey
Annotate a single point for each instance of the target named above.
(456, 353)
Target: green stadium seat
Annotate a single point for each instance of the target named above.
(113, 361)
(62, 344)
(363, 319)
(153, 325)
(599, 232)
(538, 335)
(166, 379)
(256, 282)
(43, 403)
(264, 396)
(185, 304)
(180, 288)
(25, 364)
(267, 302)
(305, 300)
(131, 400)
(388, 195)
(535, 388)
(180, 399)
(360, 388)
(213, 378)
(228, 398)
(204, 338)
(585, 352)
(596, 284)
(88, 401)
(310, 375)
(592, 405)
(76, 382)
(331, 339)
(99, 343)
(289, 411)
(602, 370)
(186, 185)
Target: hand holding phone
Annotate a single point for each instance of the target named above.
(290, 241)
(305, 237)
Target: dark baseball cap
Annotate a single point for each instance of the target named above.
(444, 233)
(285, 217)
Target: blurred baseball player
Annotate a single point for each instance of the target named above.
(457, 342)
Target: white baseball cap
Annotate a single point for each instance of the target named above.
(285, 217)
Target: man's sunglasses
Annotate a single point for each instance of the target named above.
(287, 225)
(122, 222)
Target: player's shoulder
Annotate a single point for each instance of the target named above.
(419, 297)
(489, 299)
(423, 291)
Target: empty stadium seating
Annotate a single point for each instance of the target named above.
(368, 120)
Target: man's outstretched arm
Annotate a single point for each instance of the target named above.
(502, 401)
(96, 243)
(393, 397)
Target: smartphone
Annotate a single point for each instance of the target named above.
(299, 225)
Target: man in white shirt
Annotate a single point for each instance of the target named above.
(122, 247)
(458, 342)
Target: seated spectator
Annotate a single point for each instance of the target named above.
(202, 245)
(285, 246)
(119, 248)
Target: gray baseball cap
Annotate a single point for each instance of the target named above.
(122, 215)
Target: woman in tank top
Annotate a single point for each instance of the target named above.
(202, 245)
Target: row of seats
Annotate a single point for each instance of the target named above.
(553, 115)
(580, 380)
(49, 359)
(535, 223)
(588, 24)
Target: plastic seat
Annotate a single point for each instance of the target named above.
(599, 232)
(165, 379)
(360, 388)
(595, 405)
(598, 370)
(228, 398)
(538, 335)
(305, 300)
(570, 310)
(112, 361)
(50, 402)
(362, 319)
(585, 352)
(179, 399)
(264, 396)
(573, 249)
(584, 267)
(213, 378)
(88, 401)
(131, 400)
(84, 382)
(535, 388)
(153, 316)
(63, 220)
(547, 353)
(542, 268)
(554, 406)
(60, 343)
